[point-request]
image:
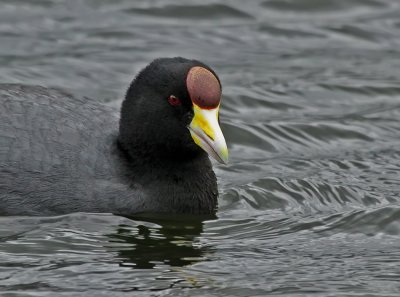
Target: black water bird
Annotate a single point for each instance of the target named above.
(62, 154)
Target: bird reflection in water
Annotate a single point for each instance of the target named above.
(160, 241)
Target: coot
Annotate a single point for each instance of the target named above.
(61, 154)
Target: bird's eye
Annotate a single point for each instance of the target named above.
(174, 100)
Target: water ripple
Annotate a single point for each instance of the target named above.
(191, 12)
(309, 204)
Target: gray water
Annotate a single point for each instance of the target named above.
(309, 204)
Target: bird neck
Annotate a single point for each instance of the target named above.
(153, 155)
(184, 184)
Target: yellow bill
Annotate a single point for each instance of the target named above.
(207, 133)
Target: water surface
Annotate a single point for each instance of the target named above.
(309, 204)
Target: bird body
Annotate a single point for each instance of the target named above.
(61, 154)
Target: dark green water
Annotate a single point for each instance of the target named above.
(309, 204)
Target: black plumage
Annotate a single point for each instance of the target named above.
(61, 154)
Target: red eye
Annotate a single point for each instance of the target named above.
(174, 100)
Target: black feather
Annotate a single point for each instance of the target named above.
(61, 154)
